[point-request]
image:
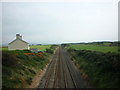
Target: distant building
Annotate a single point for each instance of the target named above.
(18, 44)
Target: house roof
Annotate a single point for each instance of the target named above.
(18, 39)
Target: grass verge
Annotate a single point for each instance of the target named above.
(19, 69)
(102, 69)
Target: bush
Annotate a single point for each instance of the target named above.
(53, 46)
(49, 51)
(26, 51)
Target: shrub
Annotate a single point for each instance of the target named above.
(26, 51)
(49, 50)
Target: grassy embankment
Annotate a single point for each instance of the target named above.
(99, 64)
(19, 69)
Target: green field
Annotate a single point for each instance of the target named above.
(41, 48)
(104, 49)
(3, 48)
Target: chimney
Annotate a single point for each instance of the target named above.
(18, 36)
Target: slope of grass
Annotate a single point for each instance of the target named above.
(104, 49)
(102, 69)
(18, 69)
(41, 47)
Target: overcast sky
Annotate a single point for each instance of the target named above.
(62, 22)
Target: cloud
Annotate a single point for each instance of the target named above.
(86, 1)
(60, 22)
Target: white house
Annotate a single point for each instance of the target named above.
(18, 44)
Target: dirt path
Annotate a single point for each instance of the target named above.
(62, 73)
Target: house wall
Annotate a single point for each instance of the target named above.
(18, 45)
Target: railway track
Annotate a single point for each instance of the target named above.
(62, 73)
